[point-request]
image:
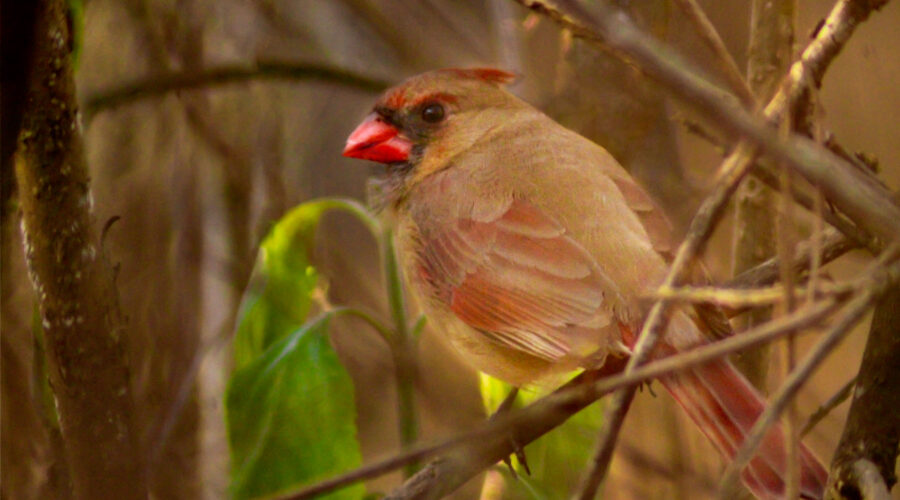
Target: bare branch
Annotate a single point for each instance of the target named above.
(852, 312)
(739, 297)
(833, 402)
(864, 201)
(711, 38)
(768, 174)
(175, 81)
(613, 420)
(490, 443)
(769, 56)
(833, 246)
(861, 199)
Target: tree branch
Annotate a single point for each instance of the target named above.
(177, 81)
(84, 328)
(871, 433)
(707, 32)
(833, 246)
(883, 279)
(490, 443)
(833, 402)
(769, 57)
(856, 195)
(865, 202)
(618, 32)
(448, 473)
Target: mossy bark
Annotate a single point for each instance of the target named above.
(73, 283)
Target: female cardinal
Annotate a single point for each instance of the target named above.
(529, 248)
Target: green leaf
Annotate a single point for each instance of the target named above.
(558, 457)
(278, 297)
(289, 407)
(291, 417)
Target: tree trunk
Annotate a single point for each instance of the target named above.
(74, 284)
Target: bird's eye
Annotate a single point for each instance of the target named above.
(433, 113)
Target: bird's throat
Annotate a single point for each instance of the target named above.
(389, 189)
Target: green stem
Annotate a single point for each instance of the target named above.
(401, 340)
(394, 286)
(356, 209)
(386, 333)
(402, 348)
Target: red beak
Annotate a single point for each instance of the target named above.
(376, 140)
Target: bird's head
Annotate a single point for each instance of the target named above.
(416, 127)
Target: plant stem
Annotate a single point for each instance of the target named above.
(402, 348)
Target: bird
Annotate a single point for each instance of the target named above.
(532, 251)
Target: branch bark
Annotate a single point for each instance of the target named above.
(771, 41)
(859, 197)
(211, 77)
(766, 273)
(864, 201)
(884, 277)
(447, 474)
(444, 475)
(84, 328)
(729, 68)
(871, 433)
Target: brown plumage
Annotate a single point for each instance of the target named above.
(529, 248)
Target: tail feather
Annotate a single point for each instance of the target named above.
(725, 406)
(727, 438)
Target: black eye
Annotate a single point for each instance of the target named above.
(433, 113)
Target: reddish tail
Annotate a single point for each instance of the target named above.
(725, 406)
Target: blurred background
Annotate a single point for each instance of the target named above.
(196, 177)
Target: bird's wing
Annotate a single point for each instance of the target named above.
(658, 228)
(518, 278)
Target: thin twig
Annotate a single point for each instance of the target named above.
(766, 173)
(544, 415)
(851, 313)
(613, 420)
(711, 38)
(701, 226)
(737, 298)
(833, 246)
(779, 401)
(785, 243)
(864, 201)
(618, 32)
(175, 81)
(816, 241)
(833, 402)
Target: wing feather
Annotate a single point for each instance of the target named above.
(518, 279)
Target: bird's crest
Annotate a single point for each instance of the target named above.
(488, 75)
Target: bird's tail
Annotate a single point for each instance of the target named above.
(725, 406)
